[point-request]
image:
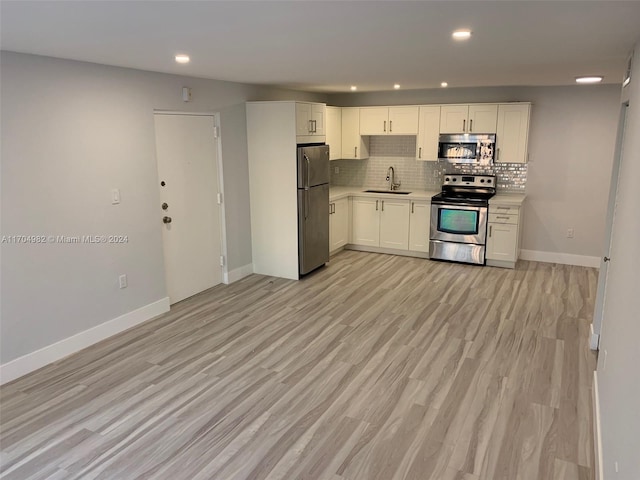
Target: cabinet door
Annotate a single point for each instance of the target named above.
(365, 221)
(303, 118)
(317, 118)
(394, 224)
(334, 132)
(482, 118)
(403, 121)
(502, 242)
(353, 144)
(453, 118)
(339, 224)
(374, 121)
(419, 223)
(512, 133)
(428, 132)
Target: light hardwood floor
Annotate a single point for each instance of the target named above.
(375, 367)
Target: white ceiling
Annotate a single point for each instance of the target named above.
(328, 46)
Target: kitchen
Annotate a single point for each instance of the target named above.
(361, 223)
(570, 127)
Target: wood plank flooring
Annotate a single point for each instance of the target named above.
(374, 367)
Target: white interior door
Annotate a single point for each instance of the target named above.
(186, 150)
(601, 293)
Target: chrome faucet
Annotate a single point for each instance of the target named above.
(391, 174)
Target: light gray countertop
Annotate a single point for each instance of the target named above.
(512, 199)
(336, 193)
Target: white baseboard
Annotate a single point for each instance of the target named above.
(597, 433)
(238, 274)
(56, 351)
(594, 339)
(563, 258)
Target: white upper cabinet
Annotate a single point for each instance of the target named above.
(334, 132)
(354, 145)
(389, 120)
(480, 118)
(310, 121)
(513, 133)
(428, 132)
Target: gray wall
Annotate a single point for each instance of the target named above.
(618, 380)
(571, 142)
(72, 131)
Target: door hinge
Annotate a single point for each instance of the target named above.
(219, 198)
(216, 132)
(222, 260)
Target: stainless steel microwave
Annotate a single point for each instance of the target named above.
(478, 148)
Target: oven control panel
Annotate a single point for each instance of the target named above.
(469, 180)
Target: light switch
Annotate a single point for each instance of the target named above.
(115, 196)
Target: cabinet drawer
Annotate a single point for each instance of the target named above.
(503, 218)
(504, 209)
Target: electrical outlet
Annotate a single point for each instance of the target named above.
(569, 232)
(123, 281)
(115, 196)
(436, 173)
(336, 170)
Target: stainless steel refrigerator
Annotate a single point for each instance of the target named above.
(313, 207)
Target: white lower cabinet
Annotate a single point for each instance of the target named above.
(503, 236)
(338, 224)
(419, 225)
(394, 224)
(380, 222)
(365, 223)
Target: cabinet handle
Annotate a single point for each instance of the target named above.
(376, 205)
(315, 126)
(384, 127)
(411, 207)
(471, 125)
(310, 127)
(506, 218)
(355, 152)
(420, 152)
(490, 229)
(464, 125)
(498, 154)
(390, 126)
(503, 208)
(382, 205)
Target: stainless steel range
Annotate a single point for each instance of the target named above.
(459, 218)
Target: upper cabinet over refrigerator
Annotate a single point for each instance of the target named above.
(310, 119)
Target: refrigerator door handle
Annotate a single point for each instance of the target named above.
(306, 203)
(306, 158)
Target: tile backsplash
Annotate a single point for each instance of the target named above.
(400, 152)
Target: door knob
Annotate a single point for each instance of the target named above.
(606, 259)
(165, 206)
(166, 219)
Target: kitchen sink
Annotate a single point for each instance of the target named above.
(395, 192)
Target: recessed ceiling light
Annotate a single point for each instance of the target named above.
(182, 58)
(396, 86)
(461, 34)
(353, 88)
(444, 84)
(589, 79)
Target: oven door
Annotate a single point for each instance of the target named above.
(459, 223)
